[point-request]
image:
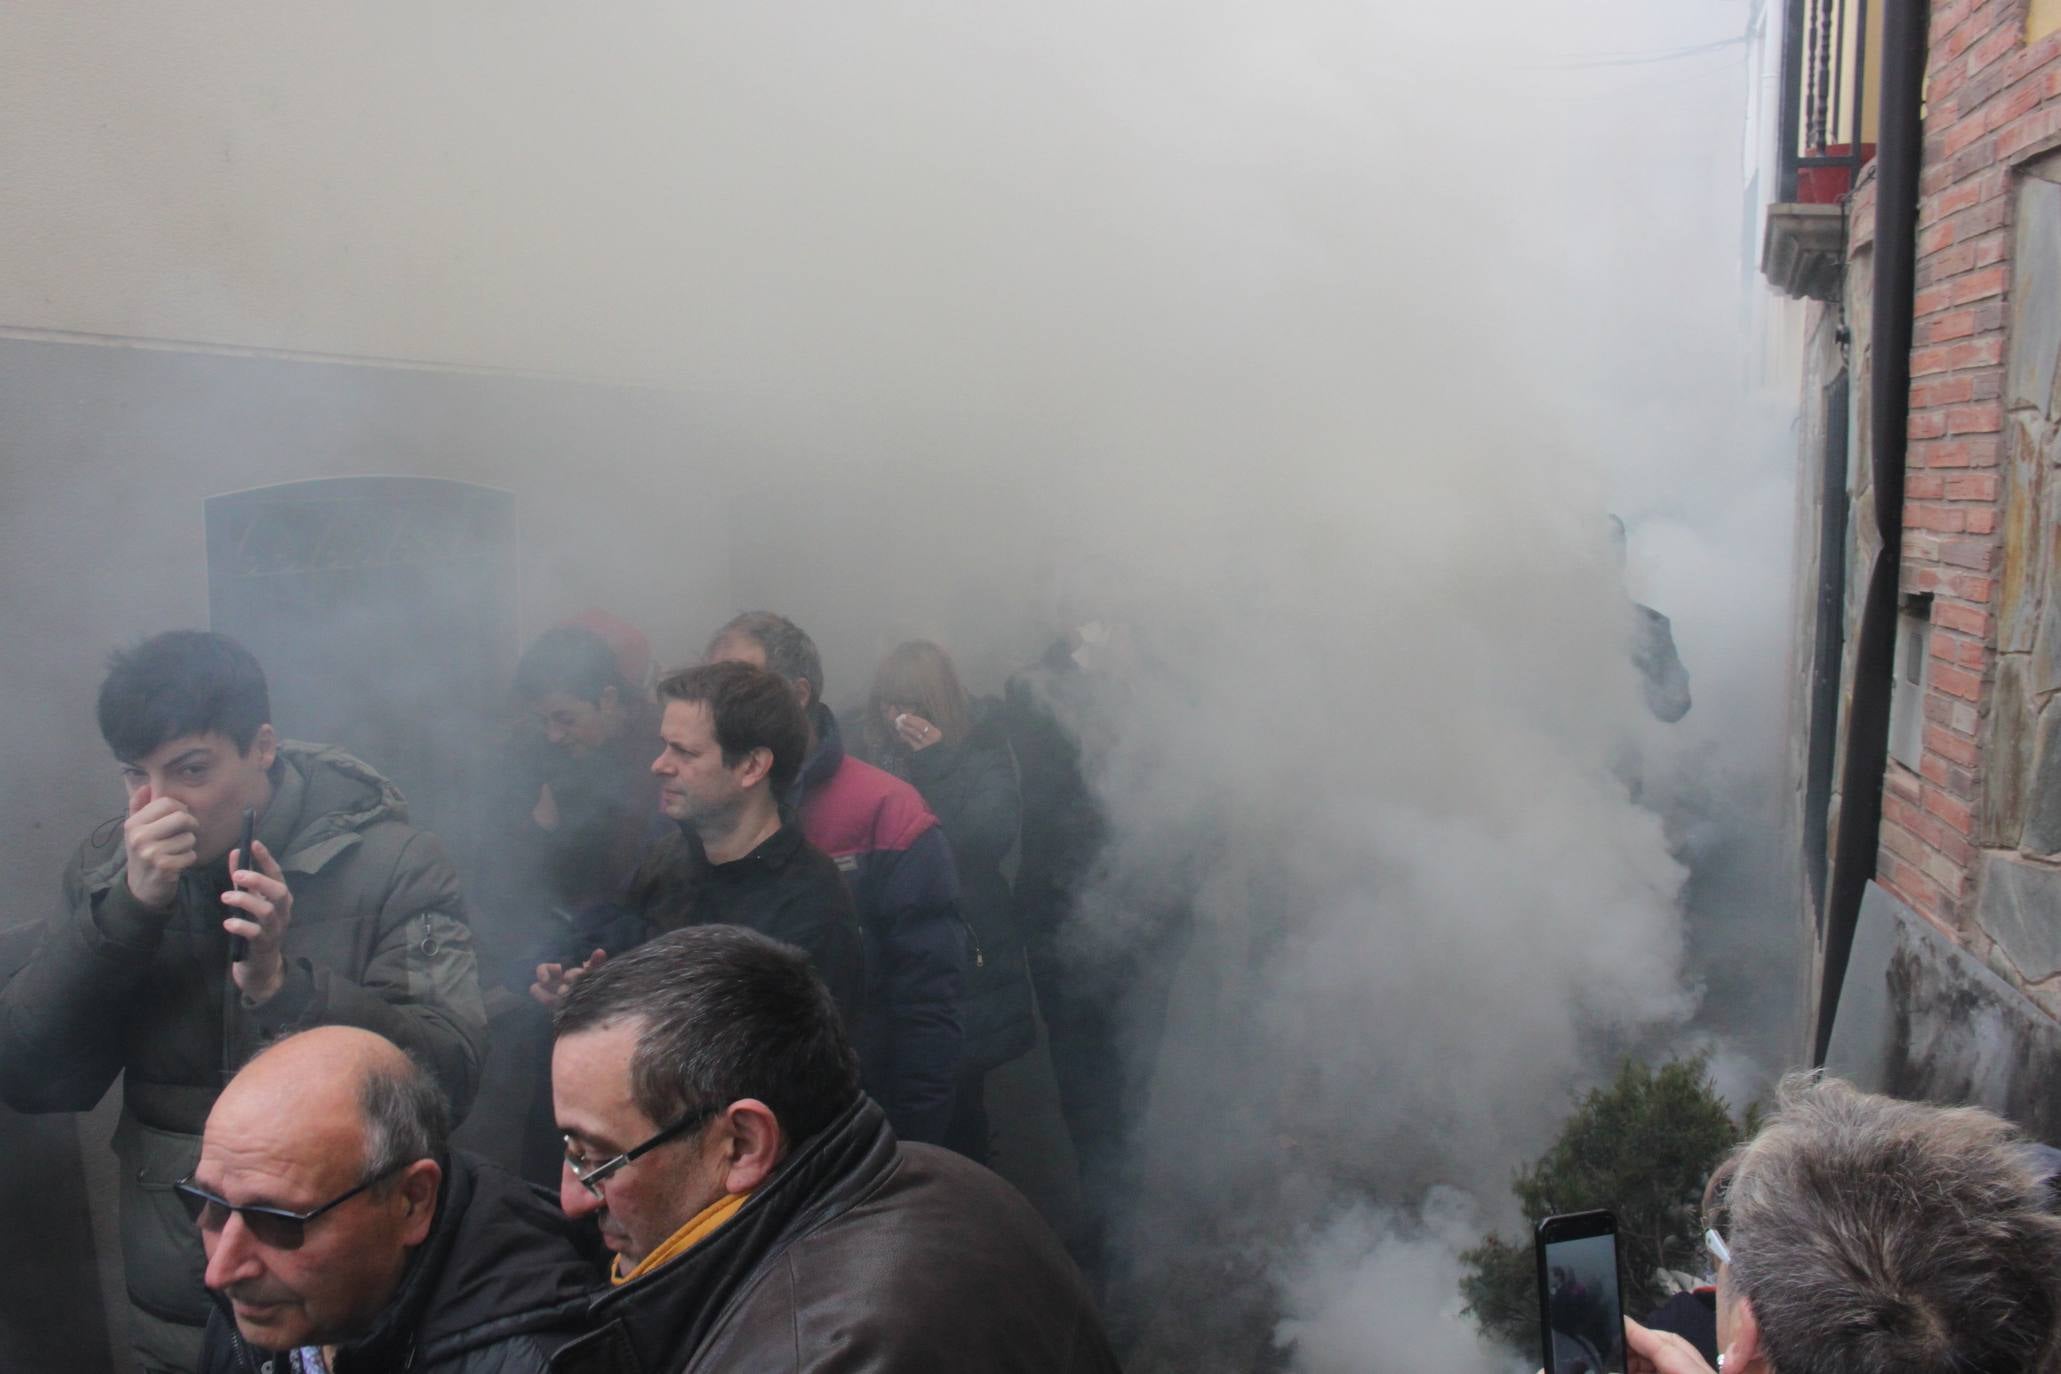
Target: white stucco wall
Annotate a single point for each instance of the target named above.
(377, 179)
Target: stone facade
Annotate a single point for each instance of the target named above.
(1971, 827)
(1970, 837)
(2015, 921)
(1920, 1019)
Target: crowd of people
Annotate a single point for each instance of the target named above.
(631, 823)
(751, 973)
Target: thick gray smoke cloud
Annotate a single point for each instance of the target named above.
(1404, 331)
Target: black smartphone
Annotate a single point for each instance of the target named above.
(239, 948)
(1581, 1308)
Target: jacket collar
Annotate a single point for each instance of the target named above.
(479, 1276)
(660, 1319)
(825, 759)
(344, 796)
(774, 852)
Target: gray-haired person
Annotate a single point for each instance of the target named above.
(342, 1234)
(1858, 1234)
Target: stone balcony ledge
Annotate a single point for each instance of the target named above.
(1803, 251)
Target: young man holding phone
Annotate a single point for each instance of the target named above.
(349, 916)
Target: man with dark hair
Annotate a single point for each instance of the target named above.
(899, 867)
(346, 915)
(343, 1234)
(575, 813)
(762, 1212)
(571, 813)
(589, 727)
(732, 740)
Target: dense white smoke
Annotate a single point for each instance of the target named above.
(1380, 1290)
(1410, 334)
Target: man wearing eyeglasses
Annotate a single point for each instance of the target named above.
(342, 1235)
(762, 1213)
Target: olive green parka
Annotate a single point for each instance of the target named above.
(377, 939)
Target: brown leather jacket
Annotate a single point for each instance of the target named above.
(861, 1255)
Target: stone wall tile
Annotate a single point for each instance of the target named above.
(2007, 758)
(2020, 907)
(2046, 645)
(2033, 369)
(2020, 530)
(2042, 833)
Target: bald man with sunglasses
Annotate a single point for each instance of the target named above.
(343, 1235)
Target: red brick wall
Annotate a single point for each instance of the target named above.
(1992, 98)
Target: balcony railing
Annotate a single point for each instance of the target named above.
(1825, 118)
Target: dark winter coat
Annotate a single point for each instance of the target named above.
(971, 787)
(861, 1256)
(897, 862)
(532, 879)
(785, 888)
(377, 940)
(1054, 713)
(502, 1280)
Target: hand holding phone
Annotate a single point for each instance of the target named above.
(1661, 1352)
(239, 947)
(1581, 1307)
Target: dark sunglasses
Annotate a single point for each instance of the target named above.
(273, 1227)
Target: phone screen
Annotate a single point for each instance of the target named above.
(1583, 1316)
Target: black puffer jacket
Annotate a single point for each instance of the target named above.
(532, 879)
(503, 1280)
(972, 787)
(1061, 721)
(860, 1255)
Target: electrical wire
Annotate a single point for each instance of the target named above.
(1641, 59)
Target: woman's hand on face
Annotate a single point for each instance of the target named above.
(915, 731)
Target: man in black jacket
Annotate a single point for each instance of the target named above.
(898, 864)
(1103, 943)
(342, 1236)
(732, 740)
(763, 1215)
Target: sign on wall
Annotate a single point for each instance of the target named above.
(383, 610)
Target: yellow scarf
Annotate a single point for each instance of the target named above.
(705, 1224)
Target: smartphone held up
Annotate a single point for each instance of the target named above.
(239, 947)
(1581, 1311)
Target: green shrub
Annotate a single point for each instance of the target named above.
(1641, 1147)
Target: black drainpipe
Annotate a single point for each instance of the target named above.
(1899, 149)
